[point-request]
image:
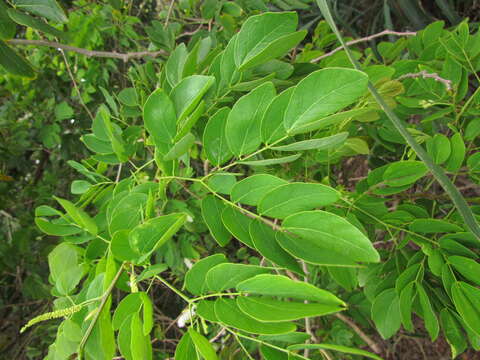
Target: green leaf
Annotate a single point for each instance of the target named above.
(433, 226)
(228, 313)
(407, 297)
(96, 145)
(114, 137)
(237, 224)
(386, 313)
(212, 209)
(79, 187)
(149, 236)
(250, 190)
(203, 345)
(186, 95)
(242, 129)
(129, 305)
(318, 144)
(128, 96)
(402, 173)
(64, 269)
(222, 182)
(271, 126)
(185, 349)
(121, 248)
(439, 148)
(7, 26)
(276, 161)
(160, 119)
(288, 199)
(46, 8)
(27, 20)
(453, 332)
(56, 229)
(214, 140)
(344, 276)
(147, 313)
(195, 277)
(339, 348)
(264, 240)
(180, 148)
(467, 302)
(323, 93)
(226, 276)
(206, 309)
(124, 338)
(13, 63)
(470, 269)
(175, 65)
(271, 310)
(79, 216)
(330, 231)
(431, 322)
(264, 37)
(282, 286)
(140, 344)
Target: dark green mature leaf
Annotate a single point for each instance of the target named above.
(271, 127)
(439, 148)
(272, 310)
(228, 312)
(264, 37)
(129, 305)
(212, 209)
(13, 63)
(323, 93)
(402, 173)
(339, 348)
(46, 8)
(79, 216)
(195, 278)
(140, 345)
(238, 224)
(431, 321)
(7, 26)
(453, 332)
(160, 119)
(282, 286)
(276, 161)
(27, 20)
(185, 349)
(291, 198)
(386, 313)
(225, 276)
(432, 226)
(203, 345)
(214, 140)
(467, 302)
(264, 240)
(242, 128)
(469, 268)
(407, 296)
(187, 94)
(250, 190)
(457, 155)
(330, 231)
(180, 148)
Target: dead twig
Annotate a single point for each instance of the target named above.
(426, 75)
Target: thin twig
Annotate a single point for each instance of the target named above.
(76, 85)
(169, 13)
(426, 75)
(364, 39)
(89, 53)
(376, 348)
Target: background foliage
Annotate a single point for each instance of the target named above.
(49, 146)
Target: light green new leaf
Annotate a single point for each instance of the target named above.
(140, 344)
(64, 268)
(331, 231)
(227, 275)
(149, 236)
(121, 248)
(323, 93)
(180, 148)
(429, 317)
(339, 348)
(195, 277)
(318, 144)
(228, 312)
(291, 198)
(276, 161)
(14, 63)
(212, 209)
(203, 345)
(272, 128)
(46, 8)
(242, 129)
(282, 286)
(175, 64)
(251, 189)
(186, 95)
(272, 310)
(79, 216)
(258, 39)
(129, 305)
(264, 240)
(214, 140)
(469, 268)
(27, 20)
(160, 119)
(386, 313)
(238, 225)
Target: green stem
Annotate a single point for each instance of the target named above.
(175, 290)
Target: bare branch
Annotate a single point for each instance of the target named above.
(364, 39)
(89, 53)
(426, 75)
